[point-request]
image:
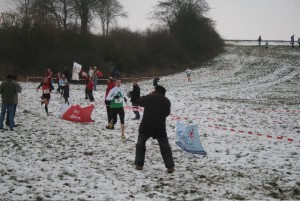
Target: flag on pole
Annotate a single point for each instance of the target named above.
(76, 70)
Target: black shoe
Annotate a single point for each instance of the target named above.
(136, 118)
(138, 167)
(16, 125)
(11, 129)
(170, 170)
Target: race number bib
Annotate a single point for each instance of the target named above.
(119, 100)
(46, 91)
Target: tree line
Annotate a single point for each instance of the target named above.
(54, 33)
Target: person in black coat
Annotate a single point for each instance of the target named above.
(135, 94)
(156, 109)
(292, 40)
(259, 41)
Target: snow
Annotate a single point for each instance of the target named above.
(247, 89)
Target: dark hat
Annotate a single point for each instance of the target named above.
(160, 89)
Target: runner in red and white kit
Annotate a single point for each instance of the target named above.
(46, 89)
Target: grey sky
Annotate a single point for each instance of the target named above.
(235, 19)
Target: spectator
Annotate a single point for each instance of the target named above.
(156, 109)
(8, 91)
(19, 90)
(135, 95)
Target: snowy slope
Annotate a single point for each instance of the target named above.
(246, 103)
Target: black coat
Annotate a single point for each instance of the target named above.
(135, 93)
(156, 109)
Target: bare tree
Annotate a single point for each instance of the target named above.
(25, 12)
(63, 12)
(83, 9)
(108, 11)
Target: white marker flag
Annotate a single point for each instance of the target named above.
(188, 138)
(76, 70)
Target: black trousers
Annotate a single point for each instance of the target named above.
(109, 111)
(90, 95)
(135, 108)
(165, 150)
(116, 112)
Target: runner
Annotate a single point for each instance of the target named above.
(188, 75)
(117, 97)
(110, 85)
(46, 89)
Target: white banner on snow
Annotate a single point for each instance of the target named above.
(76, 70)
(188, 138)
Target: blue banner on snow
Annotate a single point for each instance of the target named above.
(188, 138)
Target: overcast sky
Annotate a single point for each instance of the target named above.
(235, 19)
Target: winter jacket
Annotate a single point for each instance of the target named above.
(63, 82)
(135, 93)
(8, 91)
(156, 109)
(90, 85)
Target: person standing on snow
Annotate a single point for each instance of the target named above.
(62, 83)
(259, 41)
(292, 40)
(8, 91)
(58, 76)
(46, 89)
(135, 94)
(188, 75)
(90, 87)
(156, 109)
(95, 77)
(19, 90)
(117, 97)
(110, 85)
(66, 93)
(267, 45)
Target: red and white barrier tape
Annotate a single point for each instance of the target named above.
(278, 111)
(176, 118)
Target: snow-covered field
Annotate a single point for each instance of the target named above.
(246, 103)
